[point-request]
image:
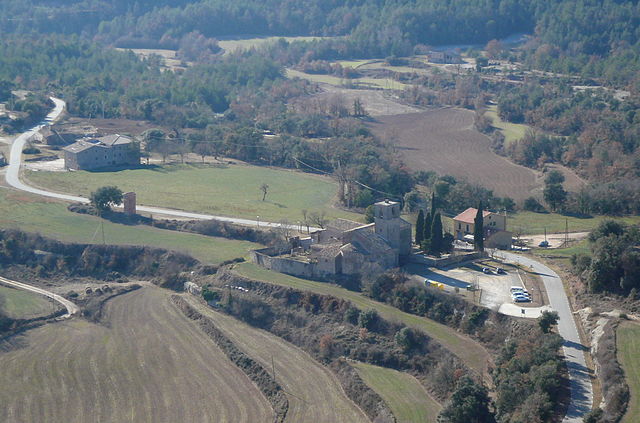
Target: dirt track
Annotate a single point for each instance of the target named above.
(147, 363)
(314, 393)
(444, 140)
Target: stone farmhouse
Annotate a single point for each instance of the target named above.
(95, 153)
(494, 226)
(344, 247)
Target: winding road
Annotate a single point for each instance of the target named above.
(15, 162)
(579, 375)
(71, 307)
(581, 388)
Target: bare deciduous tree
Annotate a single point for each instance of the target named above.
(264, 188)
(318, 219)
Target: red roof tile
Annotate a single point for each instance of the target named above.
(469, 215)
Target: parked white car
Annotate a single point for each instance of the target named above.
(520, 298)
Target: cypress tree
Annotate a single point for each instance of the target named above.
(434, 205)
(478, 229)
(420, 227)
(436, 235)
(426, 228)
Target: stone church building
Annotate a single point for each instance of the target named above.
(344, 247)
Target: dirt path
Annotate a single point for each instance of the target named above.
(314, 393)
(146, 363)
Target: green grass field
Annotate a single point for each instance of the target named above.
(19, 304)
(352, 63)
(511, 131)
(407, 398)
(230, 46)
(382, 83)
(535, 223)
(628, 342)
(564, 254)
(219, 190)
(32, 214)
(471, 352)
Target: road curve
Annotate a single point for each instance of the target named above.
(13, 179)
(72, 309)
(579, 377)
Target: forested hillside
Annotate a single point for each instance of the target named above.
(592, 37)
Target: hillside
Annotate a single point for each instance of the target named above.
(145, 362)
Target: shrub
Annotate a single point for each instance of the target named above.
(531, 204)
(368, 319)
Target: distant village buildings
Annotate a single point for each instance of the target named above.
(95, 153)
(344, 247)
(444, 57)
(494, 228)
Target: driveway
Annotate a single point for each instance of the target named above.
(579, 375)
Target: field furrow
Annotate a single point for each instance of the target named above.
(146, 363)
(314, 393)
(445, 141)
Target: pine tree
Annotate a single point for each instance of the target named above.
(420, 227)
(478, 229)
(436, 235)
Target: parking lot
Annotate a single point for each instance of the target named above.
(490, 289)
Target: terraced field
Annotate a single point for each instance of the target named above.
(404, 394)
(314, 394)
(444, 140)
(469, 351)
(146, 363)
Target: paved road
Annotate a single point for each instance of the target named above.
(71, 307)
(581, 389)
(13, 178)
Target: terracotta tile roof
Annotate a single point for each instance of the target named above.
(469, 215)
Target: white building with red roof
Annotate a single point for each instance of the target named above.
(494, 228)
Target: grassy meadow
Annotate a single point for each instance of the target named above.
(377, 83)
(233, 44)
(403, 393)
(232, 190)
(536, 223)
(19, 304)
(512, 131)
(628, 342)
(51, 219)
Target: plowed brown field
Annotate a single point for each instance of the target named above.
(314, 393)
(445, 140)
(146, 363)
